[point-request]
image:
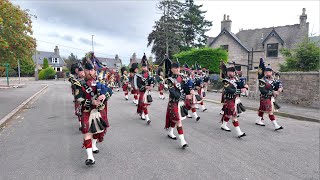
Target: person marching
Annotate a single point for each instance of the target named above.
(231, 90)
(161, 83)
(176, 110)
(125, 82)
(199, 83)
(269, 89)
(92, 95)
(133, 71)
(143, 84)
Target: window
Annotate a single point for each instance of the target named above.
(225, 47)
(55, 60)
(272, 50)
(58, 69)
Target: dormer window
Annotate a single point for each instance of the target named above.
(272, 50)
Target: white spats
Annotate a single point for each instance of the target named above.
(126, 97)
(203, 108)
(183, 142)
(259, 121)
(90, 153)
(276, 125)
(147, 119)
(239, 132)
(224, 126)
(94, 145)
(170, 133)
(189, 116)
(80, 125)
(195, 115)
(143, 117)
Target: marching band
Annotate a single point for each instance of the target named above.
(92, 85)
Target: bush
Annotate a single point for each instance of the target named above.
(304, 58)
(47, 73)
(205, 57)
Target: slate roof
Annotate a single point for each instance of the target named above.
(110, 62)
(253, 38)
(43, 54)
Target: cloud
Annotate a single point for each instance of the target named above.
(87, 41)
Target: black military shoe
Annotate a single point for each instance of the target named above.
(148, 122)
(242, 135)
(185, 146)
(174, 138)
(198, 118)
(204, 109)
(90, 162)
(96, 151)
(279, 128)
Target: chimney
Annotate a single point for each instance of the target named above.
(226, 23)
(303, 18)
(117, 57)
(56, 50)
(134, 58)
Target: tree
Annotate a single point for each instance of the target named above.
(304, 58)
(27, 68)
(45, 63)
(167, 31)
(15, 34)
(194, 25)
(205, 57)
(71, 60)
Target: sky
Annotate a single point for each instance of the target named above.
(122, 26)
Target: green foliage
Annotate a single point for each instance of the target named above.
(194, 25)
(45, 63)
(304, 58)
(65, 70)
(27, 68)
(16, 42)
(205, 57)
(47, 73)
(71, 60)
(181, 27)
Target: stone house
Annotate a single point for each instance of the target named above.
(247, 46)
(54, 59)
(112, 63)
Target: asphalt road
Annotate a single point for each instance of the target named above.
(43, 142)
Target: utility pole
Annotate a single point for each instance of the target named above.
(92, 43)
(19, 71)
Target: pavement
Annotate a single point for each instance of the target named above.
(43, 142)
(286, 110)
(10, 98)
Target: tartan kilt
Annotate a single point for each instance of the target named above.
(161, 87)
(125, 87)
(173, 114)
(229, 107)
(265, 104)
(142, 102)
